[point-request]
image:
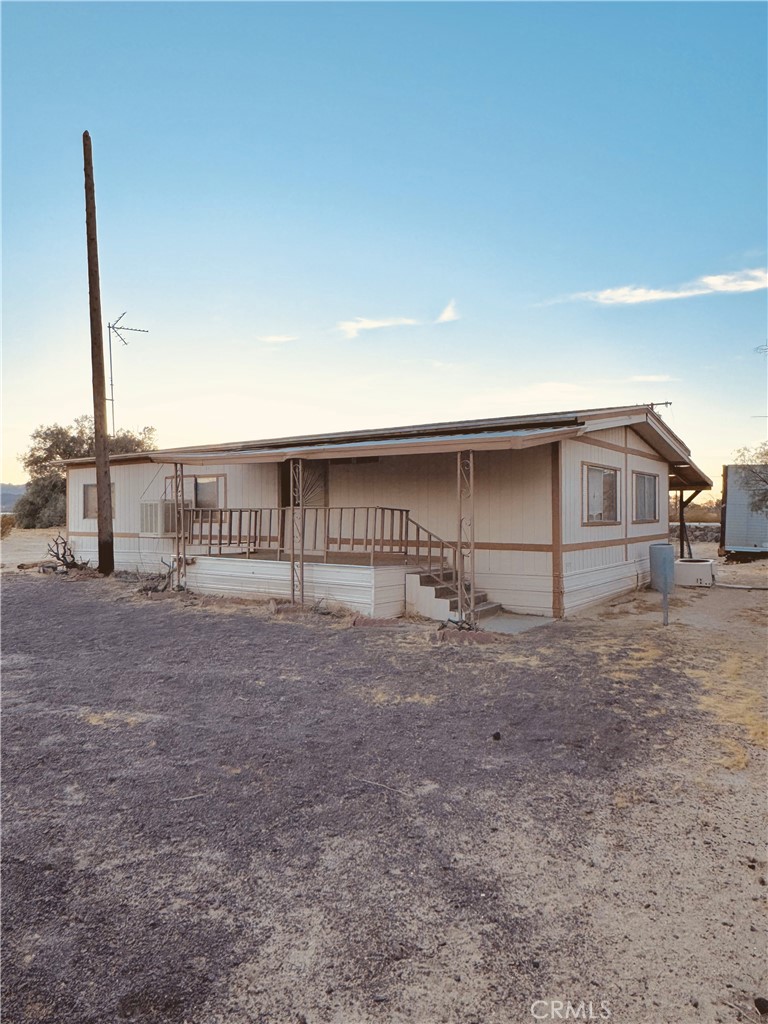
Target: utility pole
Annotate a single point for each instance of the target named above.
(103, 482)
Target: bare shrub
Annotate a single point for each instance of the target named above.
(63, 553)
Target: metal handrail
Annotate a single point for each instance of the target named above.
(442, 546)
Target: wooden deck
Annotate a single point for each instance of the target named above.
(331, 557)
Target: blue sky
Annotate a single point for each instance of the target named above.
(291, 195)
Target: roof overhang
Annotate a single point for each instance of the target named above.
(515, 440)
(499, 434)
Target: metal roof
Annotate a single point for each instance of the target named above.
(506, 432)
(411, 445)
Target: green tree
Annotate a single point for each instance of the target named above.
(754, 474)
(44, 503)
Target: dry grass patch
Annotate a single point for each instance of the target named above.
(385, 698)
(735, 756)
(734, 693)
(110, 719)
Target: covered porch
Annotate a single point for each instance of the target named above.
(292, 550)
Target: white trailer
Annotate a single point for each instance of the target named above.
(742, 529)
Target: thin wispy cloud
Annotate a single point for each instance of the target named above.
(355, 327)
(629, 295)
(352, 328)
(449, 313)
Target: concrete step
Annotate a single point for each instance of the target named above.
(487, 608)
(483, 609)
(430, 579)
(449, 590)
(481, 598)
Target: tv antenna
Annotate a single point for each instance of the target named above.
(113, 329)
(658, 405)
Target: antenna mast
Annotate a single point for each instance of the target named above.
(112, 328)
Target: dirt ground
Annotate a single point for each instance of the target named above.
(216, 813)
(25, 546)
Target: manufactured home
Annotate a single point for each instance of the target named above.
(539, 515)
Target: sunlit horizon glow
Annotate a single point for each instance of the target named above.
(342, 216)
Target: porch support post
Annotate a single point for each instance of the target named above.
(558, 599)
(180, 559)
(297, 531)
(684, 542)
(465, 553)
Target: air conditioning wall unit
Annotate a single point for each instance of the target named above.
(158, 518)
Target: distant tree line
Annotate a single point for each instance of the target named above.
(44, 503)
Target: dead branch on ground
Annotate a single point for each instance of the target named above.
(64, 555)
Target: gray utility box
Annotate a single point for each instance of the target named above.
(662, 557)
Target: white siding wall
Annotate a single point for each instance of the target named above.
(375, 591)
(512, 492)
(521, 581)
(133, 554)
(513, 505)
(246, 486)
(614, 435)
(388, 591)
(593, 574)
(635, 441)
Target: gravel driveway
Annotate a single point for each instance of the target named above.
(217, 814)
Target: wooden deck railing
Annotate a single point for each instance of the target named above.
(358, 530)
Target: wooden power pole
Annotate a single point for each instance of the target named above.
(103, 482)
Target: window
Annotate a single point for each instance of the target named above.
(207, 492)
(601, 489)
(201, 491)
(646, 498)
(90, 506)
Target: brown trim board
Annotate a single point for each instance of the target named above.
(618, 542)
(598, 442)
(89, 533)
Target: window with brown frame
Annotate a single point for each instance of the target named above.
(601, 494)
(646, 498)
(90, 505)
(201, 491)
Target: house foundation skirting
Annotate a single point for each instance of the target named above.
(378, 591)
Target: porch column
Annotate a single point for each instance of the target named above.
(558, 600)
(684, 542)
(297, 531)
(180, 559)
(465, 549)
